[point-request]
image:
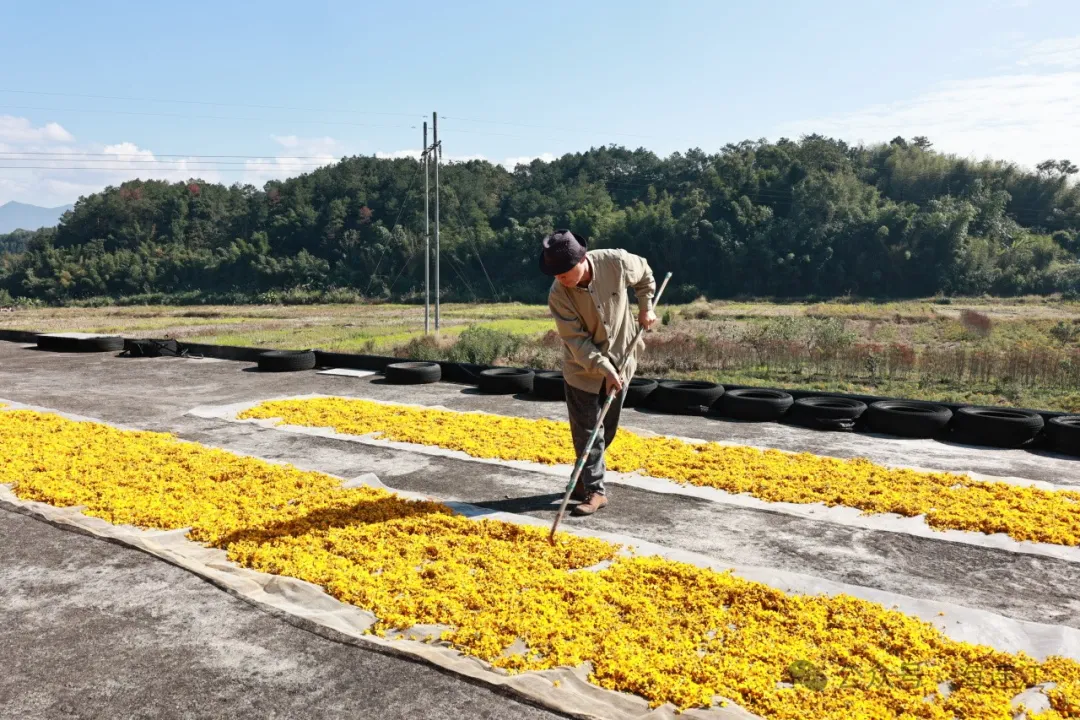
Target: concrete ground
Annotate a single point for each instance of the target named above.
(101, 645)
(92, 629)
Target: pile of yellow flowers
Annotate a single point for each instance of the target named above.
(667, 631)
(948, 501)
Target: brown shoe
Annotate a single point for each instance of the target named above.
(594, 502)
(579, 494)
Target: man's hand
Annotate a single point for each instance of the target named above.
(614, 382)
(647, 318)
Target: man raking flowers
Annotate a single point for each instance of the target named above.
(589, 304)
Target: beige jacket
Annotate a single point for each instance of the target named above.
(596, 323)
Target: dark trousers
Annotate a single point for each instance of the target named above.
(584, 409)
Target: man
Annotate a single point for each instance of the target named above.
(592, 314)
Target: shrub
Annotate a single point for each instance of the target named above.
(830, 336)
(535, 355)
(976, 322)
(682, 293)
(1065, 333)
(781, 329)
(551, 339)
(483, 346)
(900, 359)
(666, 319)
(424, 348)
(27, 303)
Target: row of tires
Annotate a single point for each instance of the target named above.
(88, 343)
(78, 343)
(998, 427)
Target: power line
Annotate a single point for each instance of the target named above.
(476, 248)
(403, 268)
(74, 155)
(466, 283)
(171, 163)
(499, 134)
(97, 168)
(256, 106)
(207, 103)
(541, 127)
(488, 133)
(287, 108)
(401, 210)
(197, 117)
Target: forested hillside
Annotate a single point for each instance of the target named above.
(15, 241)
(813, 217)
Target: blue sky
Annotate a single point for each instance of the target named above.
(514, 81)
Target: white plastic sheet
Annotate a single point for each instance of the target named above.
(346, 372)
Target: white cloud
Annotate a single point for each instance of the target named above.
(304, 155)
(45, 166)
(512, 162)
(398, 154)
(286, 141)
(127, 151)
(61, 170)
(1057, 52)
(17, 132)
(463, 158)
(1024, 118)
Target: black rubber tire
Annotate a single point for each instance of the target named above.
(997, 427)
(685, 397)
(549, 385)
(907, 419)
(829, 424)
(143, 347)
(412, 373)
(827, 408)
(286, 360)
(754, 404)
(166, 346)
(638, 392)
(137, 347)
(61, 343)
(1064, 432)
(55, 343)
(505, 381)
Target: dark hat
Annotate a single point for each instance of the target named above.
(561, 252)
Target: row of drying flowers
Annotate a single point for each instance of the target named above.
(947, 501)
(667, 631)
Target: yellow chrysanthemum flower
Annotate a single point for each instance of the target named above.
(947, 501)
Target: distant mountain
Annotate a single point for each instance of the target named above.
(15, 215)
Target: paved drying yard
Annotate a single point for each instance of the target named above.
(96, 630)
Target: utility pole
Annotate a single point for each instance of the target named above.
(427, 236)
(438, 156)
